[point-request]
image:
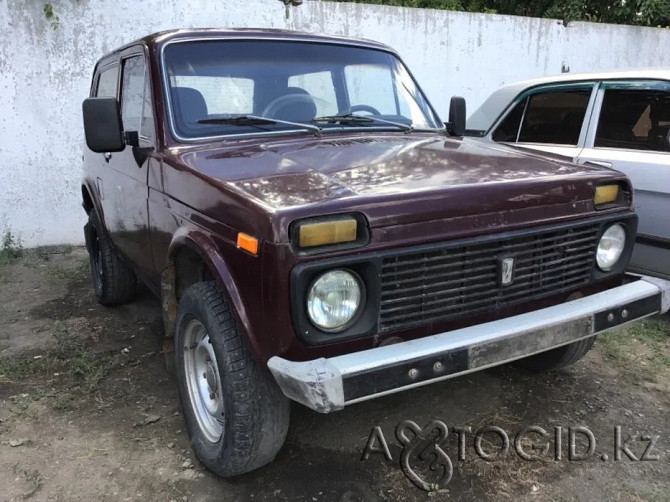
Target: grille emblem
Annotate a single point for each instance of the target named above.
(506, 271)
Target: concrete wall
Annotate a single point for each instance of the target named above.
(45, 72)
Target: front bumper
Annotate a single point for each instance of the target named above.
(330, 384)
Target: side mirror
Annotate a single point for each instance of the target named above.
(456, 124)
(102, 125)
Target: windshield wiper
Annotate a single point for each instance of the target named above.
(254, 120)
(350, 118)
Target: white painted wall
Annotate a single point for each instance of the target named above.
(45, 72)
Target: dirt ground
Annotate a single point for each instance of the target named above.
(89, 412)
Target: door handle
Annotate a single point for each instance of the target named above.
(600, 163)
(108, 156)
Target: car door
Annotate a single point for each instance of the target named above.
(629, 132)
(125, 186)
(105, 85)
(549, 118)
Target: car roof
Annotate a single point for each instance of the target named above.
(162, 37)
(484, 117)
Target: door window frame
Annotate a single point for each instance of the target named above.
(645, 85)
(543, 89)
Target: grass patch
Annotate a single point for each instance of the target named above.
(69, 273)
(642, 349)
(10, 248)
(68, 359)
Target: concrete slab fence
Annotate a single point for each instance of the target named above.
(45, 73)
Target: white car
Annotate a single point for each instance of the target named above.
(614, 119)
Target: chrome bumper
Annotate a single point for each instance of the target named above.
(330, 384)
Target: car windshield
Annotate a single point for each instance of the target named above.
(224, 87)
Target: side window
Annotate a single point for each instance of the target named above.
(221, 95)
(555, 117)
(106, 87)
(634, 119)
(132, 93)
(508, 130)
(136, 110)
(372, 85)
(321, 88)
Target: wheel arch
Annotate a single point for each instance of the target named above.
(86, 199)
(90, 201)
(194, 257)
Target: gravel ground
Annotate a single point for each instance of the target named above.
(88, 412)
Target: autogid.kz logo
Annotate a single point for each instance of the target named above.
(425, 462)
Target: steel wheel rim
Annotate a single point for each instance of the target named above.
(203, 381)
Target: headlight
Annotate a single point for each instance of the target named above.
(611, 247)
(334, 299)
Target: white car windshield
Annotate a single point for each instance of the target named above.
(224, 87)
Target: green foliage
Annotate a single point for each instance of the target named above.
(463, 5)
(10, 248)
(635, 12)
(51, 16)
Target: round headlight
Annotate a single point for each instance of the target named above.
(334, 299)
(611, 247)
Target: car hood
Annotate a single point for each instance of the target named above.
(392, 178)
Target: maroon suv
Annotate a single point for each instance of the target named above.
(316, 233)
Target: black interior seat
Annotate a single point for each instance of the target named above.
(190, 107)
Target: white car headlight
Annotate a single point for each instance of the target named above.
(610, 247)
(334, 299)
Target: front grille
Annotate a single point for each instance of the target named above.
(453, 281)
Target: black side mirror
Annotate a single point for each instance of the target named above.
(102, 125)
(456, 124)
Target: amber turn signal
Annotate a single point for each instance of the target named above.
(328, 232)
(605, 194)
(248, 243)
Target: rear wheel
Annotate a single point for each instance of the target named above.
(114, 281)
(236, 415)
(556, 359)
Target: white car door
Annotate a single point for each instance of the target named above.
(630, 132)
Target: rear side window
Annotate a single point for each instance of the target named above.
(322, 89)
(372, 85)
(634, 119)
(106, 87)
(553, 117)
(222, 95)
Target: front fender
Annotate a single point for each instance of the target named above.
(204, 245)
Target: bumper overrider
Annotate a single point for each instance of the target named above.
(327, 385)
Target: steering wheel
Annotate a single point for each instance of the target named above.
(289, 99)
(364, 108)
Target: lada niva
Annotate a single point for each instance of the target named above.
(317, 234)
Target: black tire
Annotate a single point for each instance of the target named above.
(255, 412)
(113, 281)
(556, 359)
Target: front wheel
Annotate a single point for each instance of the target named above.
(555, 359)
(236, 415)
